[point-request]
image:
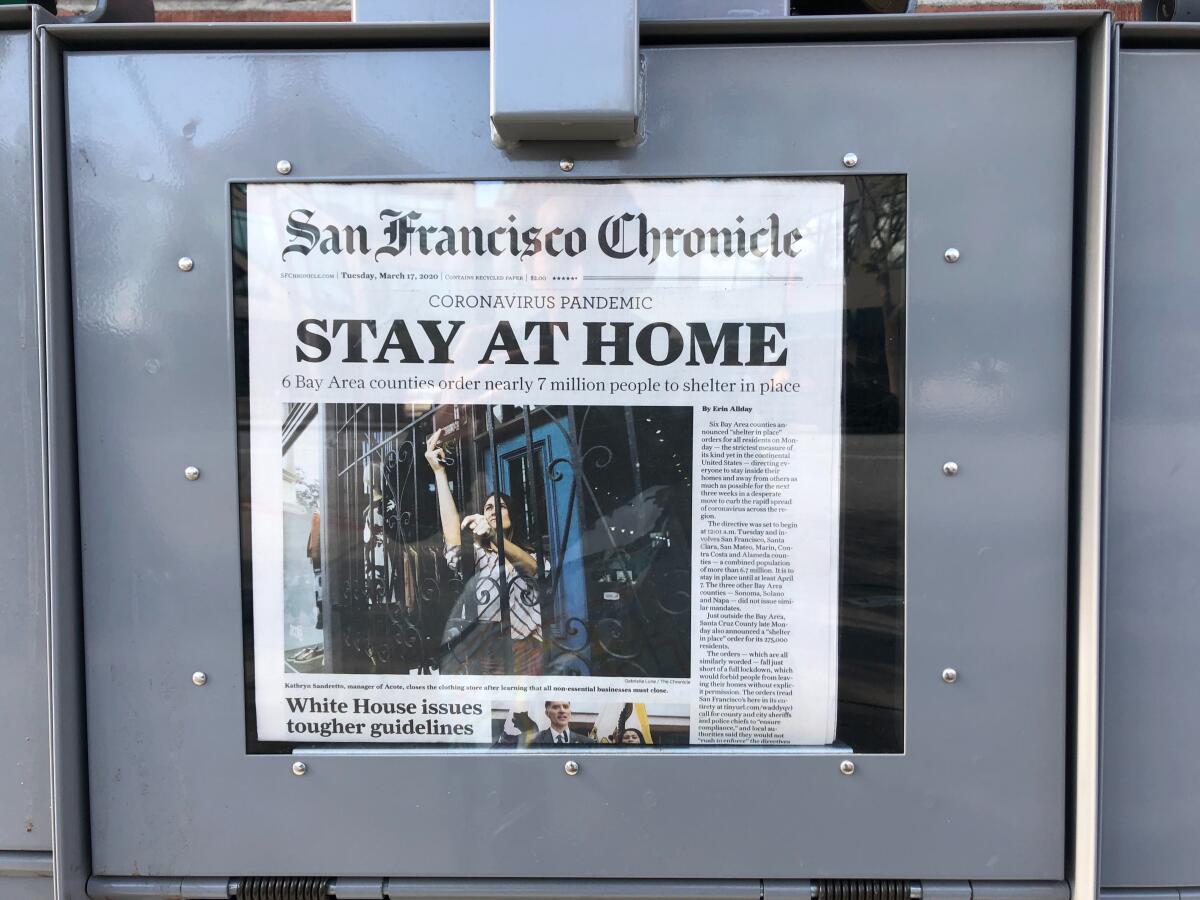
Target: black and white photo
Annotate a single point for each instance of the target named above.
(398, 517)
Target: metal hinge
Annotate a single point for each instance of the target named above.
(279, 887)
(864, 889)
(246, 888)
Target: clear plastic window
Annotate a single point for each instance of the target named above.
(528, 463)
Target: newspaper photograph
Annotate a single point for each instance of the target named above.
(540, 463)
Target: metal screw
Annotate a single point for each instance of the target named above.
(571, 767)
(299, 768)
(846, 767)
(191, 473)
(850, 160)
(186, 264)
(950, 469)
(952, 255)
(567, 165)
(949, 675)
(199, 679)
(283, 167)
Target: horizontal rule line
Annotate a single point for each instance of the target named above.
(688, 278)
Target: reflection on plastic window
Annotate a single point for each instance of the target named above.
(613, 464)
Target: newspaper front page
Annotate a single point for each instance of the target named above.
(533, 463)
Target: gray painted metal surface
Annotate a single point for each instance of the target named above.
(1151, 776)
(25, 875)
(26, 887)
(1087, 463)
(159, 888)
(24, 700)
(946, 890)
(102, 888)
(127, 888)
(581, 81)
(616, 889)
(477, 10)
(25, 863)
(68, 737)
(979, 792)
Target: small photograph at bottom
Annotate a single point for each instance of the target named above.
(548, 721)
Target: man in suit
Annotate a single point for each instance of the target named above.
(559, 732)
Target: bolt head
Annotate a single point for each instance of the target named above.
(952, 255)
(850, 160)
(186, 264)
(199, 679)
(283, 167)
(571, 767)
(950, 469)
(846, 767)
(567, 165)
(949, 675)
(191, 473)
(299, 768)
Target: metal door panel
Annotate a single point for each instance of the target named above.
(24, 695)
(1151, 771)
(985, 133)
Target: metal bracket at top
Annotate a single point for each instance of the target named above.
(564, 71)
